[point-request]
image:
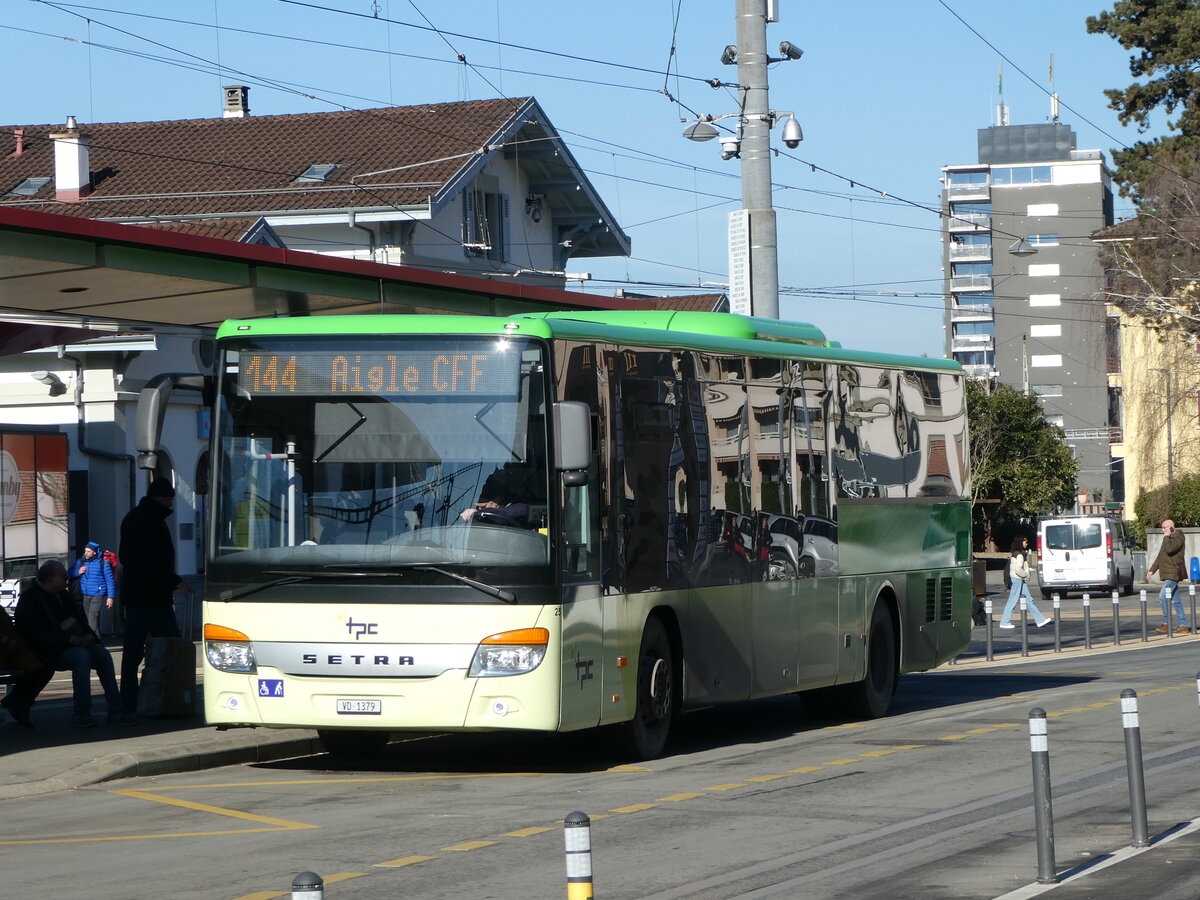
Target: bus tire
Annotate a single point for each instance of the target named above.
(657, 703)
(871, 697)
(353, 743)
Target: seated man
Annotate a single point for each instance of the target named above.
(55, 626)
(505, 493)
(35, 674)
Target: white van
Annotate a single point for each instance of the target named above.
(1084, 553)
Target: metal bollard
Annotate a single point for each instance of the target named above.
(308, 886)
(1116, 618)
(1192, 597)
(1198, 687)
(1024, 629)
(1087, 621)
(1145, 629)
(987, 610)
(577, 833)
(1057, 624)
(1133, 763)
(1043, 809)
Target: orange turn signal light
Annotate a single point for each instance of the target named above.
(221, 633)
(519, 636)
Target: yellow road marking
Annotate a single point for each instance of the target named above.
(845, 725)
(1101, 704)
(1055, 715)
(725, 787)
(526, 832)
(628, 768)
(953, 737)
(468, 845)
(878, 753)
(343, 876)
(635, 807)
(146, 837)
(675, 798)
(840, 762)
(215, 810)
(1009, 725)
(806, 769)
(766, 777)
(981, 730)
(404, 861)
(372, 780)
(907, 746)
(264, 895)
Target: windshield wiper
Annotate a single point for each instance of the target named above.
(289, 578)
(484, 588)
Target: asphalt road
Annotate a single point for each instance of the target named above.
(757, 800)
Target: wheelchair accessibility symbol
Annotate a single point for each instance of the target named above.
(270, 687)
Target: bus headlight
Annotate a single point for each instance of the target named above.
(510, 653)
(228, 650)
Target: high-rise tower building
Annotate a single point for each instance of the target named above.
(1023, 278)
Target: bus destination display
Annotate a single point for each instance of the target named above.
(415, 373)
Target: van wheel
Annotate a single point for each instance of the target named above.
(353, 743)
(871, 697)
(657, 696)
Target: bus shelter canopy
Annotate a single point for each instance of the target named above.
(87, 274)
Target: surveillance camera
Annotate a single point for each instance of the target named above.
(792, 133)
(44, 377)
(730, 148)
(729, 55)
(788, 50)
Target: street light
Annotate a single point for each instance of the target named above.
(1170, 454)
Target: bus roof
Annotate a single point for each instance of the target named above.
(711, 332)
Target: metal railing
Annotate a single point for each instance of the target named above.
(971, 283)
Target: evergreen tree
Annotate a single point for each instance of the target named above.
(1166, 34)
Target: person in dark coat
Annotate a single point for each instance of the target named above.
(149, 581)
(95, 583)
(35, 674)
(54, 625)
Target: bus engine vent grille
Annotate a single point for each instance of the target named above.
(930, 599)
(946, 596)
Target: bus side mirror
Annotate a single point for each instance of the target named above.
(572, 440)
(152, 407)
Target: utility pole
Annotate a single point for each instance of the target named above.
(756, 156)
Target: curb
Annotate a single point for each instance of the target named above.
(981, 661)
(170, 761)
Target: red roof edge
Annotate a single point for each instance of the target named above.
(142, 236)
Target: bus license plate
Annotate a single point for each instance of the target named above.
(359, 707)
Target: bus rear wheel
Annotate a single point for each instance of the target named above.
(871, 697)
(657, 698)
(353, 743)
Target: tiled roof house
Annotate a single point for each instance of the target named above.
(477, 187)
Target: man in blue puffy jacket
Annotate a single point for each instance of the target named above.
(95, 583)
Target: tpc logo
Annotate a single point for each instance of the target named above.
(358, 629)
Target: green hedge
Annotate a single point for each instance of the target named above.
(1180, 501)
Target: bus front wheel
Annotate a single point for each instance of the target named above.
(871, 697)
(353, 743)
(657, 700)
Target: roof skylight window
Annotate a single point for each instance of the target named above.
(28, 187)
(316, 173)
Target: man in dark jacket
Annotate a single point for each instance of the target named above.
(149, 581)
(54, 625)
(35, 674)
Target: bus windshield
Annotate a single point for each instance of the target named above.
(352, 453)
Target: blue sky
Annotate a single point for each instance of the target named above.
(887, 93)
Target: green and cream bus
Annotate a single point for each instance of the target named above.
(561, 521)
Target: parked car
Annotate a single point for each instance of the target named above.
(1084, 553)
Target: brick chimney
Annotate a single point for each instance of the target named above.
(237, 101)
(72, 169)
